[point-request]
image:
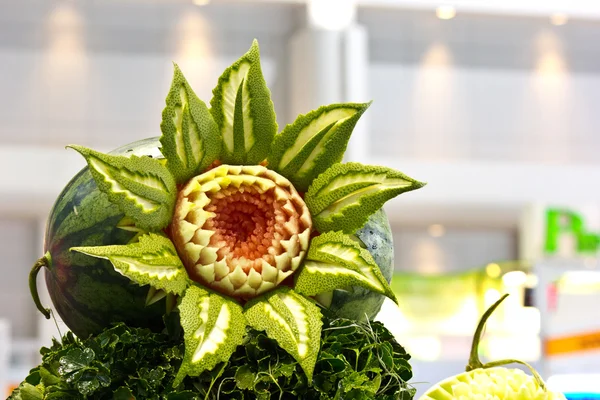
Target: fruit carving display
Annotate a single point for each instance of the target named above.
(225, 259)
(233, 224)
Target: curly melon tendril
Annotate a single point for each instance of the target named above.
(42, 262)
(475, 362)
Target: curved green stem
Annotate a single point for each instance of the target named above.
(42, 262)
(501, 363)
(474, 361)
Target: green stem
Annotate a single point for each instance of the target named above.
(501, 363)
(42, 262)
(475, 362)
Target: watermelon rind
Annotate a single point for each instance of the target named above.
(356, 302)
(87, 293)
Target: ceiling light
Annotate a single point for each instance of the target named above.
(332, 15)
(200, 2)
(436, 230)
(559, 19)
(445, 12)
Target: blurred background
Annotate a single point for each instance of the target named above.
(494, 103)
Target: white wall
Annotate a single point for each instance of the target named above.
(484, 88)
(17, 239)
(415, 250)
(446, 112)
(97, 73)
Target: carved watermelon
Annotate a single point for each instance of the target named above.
(87, 293)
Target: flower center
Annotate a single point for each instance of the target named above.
(245, 221)
(240, 230)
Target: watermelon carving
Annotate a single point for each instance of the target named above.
(87, 293)
(235, 225)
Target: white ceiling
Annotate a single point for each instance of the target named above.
(582, 9)
(575, 8)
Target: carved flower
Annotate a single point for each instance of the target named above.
(242, 225)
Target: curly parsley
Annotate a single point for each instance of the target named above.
(357, 361)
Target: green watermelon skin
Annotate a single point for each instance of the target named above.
(87, 292)
(358, 303)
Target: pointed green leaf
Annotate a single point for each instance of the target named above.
(213, 327)
(151, 261)
(336, 261)
(346, 195)
(242, 107)
(292, 320)
(142, 187)
(191, 140)
(314, 142)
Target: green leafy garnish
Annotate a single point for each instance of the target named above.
(346, 195)
(356, 361)
(142, 187)
(314, 142)
(191, 140)
(242, 107)
(77, 363)
(153, 261)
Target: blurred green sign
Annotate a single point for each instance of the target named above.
(560, 222)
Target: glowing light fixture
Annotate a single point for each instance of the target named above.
(514, 278)
(493, 270)
(436, 230)
(200, 2)
(445, 12)
(331, 14)
(559, 19)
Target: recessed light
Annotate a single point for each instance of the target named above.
(559, 19)
(200, 2)
(436, 230)
(332, 15)
(445, 12)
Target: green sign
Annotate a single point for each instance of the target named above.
(564, 222)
